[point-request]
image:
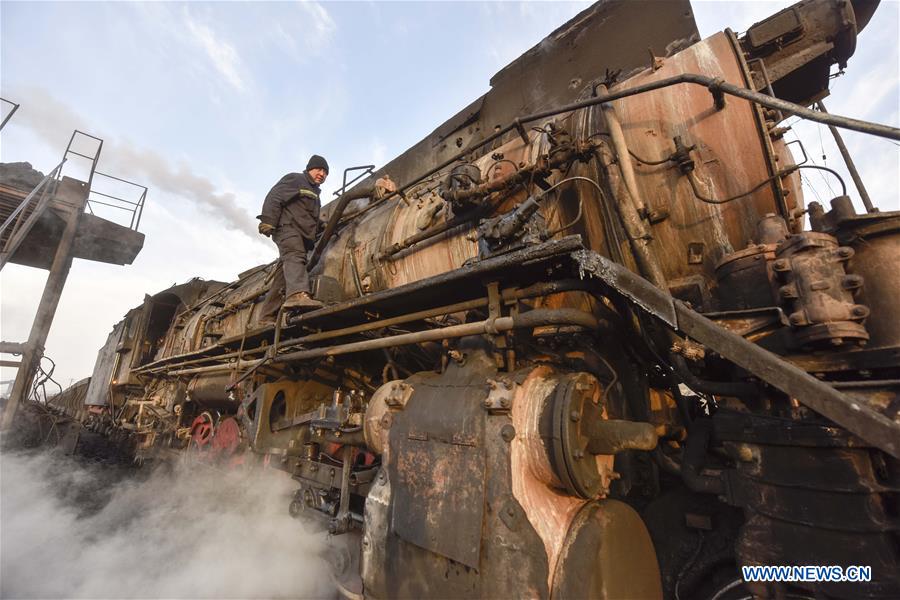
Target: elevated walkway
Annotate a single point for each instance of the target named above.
(48, 220)
(96, 239)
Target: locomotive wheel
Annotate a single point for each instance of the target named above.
(202, 430)
(227, 440)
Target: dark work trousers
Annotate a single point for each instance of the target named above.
(290, 272)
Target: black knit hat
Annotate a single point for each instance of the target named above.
(317, 162)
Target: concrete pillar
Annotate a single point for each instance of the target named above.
(69, 201)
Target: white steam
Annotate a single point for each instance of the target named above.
(68, 531)
(53, 121)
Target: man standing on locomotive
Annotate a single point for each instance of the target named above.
(290, 216)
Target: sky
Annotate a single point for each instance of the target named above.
(208, 104)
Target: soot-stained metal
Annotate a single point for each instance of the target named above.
(583, 340)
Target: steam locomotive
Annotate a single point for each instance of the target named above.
(577, 342)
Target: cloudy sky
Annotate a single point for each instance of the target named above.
(208, 104)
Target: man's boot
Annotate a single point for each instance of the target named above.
(302, 301)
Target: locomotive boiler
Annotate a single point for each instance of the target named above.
(584, 340)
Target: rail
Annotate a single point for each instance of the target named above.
(366, 170)
(31, 196)
(22, 224)
(134, 208)
(15, 107)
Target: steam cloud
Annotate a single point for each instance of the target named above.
(70, 531)
(53, 121)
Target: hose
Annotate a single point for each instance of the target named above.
(693, 181)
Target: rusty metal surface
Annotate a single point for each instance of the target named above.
(875, 240)
(534, 484)
(817, 292)
(440, 468)
(724, 165)
(799, 45)
(508, 558)
(608, 554)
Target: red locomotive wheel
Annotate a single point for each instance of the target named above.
(227, 438)
(202, 430)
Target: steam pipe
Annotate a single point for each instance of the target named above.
(534, 318)
(538, 289)
(638, 236)
(479, 190)
(614, 126)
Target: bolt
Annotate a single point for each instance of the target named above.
(487, 403)
(508, 432)
(575, 416)
(796, 319)
(504, 402)
(579, 454)
(852, 282)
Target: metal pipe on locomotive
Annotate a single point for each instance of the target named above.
(554, 360)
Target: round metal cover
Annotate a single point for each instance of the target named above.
(577, 404)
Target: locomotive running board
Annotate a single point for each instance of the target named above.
(854, 415)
